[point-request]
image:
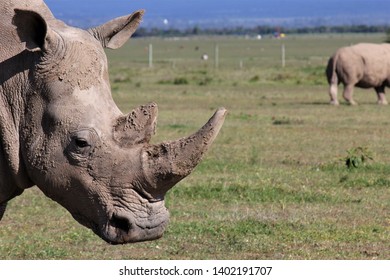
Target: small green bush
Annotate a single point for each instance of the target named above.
(180, 81)
(357, 157)
(254, 79)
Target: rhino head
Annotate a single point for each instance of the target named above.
(78, 147)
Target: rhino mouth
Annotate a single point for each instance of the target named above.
(122, 227)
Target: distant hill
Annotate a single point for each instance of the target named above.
(227, 13)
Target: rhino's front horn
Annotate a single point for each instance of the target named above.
(166, 164)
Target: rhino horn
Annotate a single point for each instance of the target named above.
(167, 163)
(138, 126)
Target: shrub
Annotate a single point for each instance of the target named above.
(254, 79)
(357, 157)
(180, 81)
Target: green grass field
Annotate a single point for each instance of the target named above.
(274, 185)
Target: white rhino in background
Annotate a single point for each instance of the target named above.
(61, 130)
(363, 65)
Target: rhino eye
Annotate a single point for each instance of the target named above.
(81, 143)
(82, 147)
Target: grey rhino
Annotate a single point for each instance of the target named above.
(61, 130)
(363, 65)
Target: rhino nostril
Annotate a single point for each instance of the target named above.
(121, 223)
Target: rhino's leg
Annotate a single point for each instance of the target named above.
(347, 94)
(380, 91)
(2, 209)
(333, 94)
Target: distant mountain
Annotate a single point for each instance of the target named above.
(227, 13)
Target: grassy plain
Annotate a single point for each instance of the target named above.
(274, 185)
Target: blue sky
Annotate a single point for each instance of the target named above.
(198, 11)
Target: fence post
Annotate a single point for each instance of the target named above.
(283, 56)
(150, 55)
(216, 53)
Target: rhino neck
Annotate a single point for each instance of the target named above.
(16, 64)
(13, 176)
(14, 83)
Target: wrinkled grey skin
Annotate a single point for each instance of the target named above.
(61, 130)
(363, 65)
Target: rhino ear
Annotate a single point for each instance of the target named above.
(32, 29)
(116, 32)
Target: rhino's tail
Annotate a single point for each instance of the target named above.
(331, 71)
(2, 209)
(333, 80)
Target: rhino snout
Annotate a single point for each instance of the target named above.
(126, 227)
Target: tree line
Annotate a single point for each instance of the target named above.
(261, 30)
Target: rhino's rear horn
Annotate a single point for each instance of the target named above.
(137, 127)
(166, 164)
